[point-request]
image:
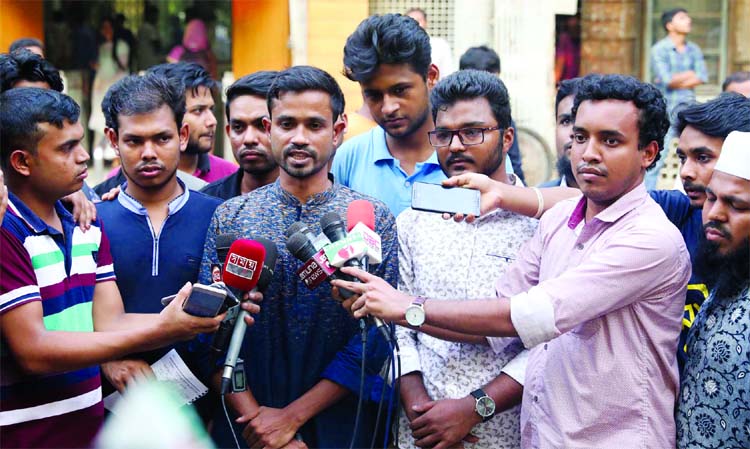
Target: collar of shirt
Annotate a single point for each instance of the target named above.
(135, 206)
(315, 199)
(382, 154)
(32, 220)
(622, 206)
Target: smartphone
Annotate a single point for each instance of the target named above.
(436, 198)
(204, 301)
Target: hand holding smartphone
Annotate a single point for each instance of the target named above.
(453, 200)
(204, 301)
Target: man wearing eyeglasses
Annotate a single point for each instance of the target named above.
(462, 390)
(389, 56)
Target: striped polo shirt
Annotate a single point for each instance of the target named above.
(60, 270)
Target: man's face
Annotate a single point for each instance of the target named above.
(741, 88)
(149, 147)
(726, 213)
(605, 154)
(199, 115)
(419, 17)
(247, 135)
(302, 131)
(58, 167)
(36, 50)
(563, 135)
(698, 154)
(398, 98)
(485, 158)
(681, 23)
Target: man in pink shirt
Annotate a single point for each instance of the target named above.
(596, 295)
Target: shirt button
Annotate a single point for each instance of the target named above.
(545, 346)
(407, 183)
(536, 399)
(579, 246)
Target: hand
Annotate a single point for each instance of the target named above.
(123, 373)
(84, 211)
(112, 194)
(176, 324)
(3, 197)
(345, 303)
(270, 427)
(444, 424)
(491, 192)
(248, 304)
(376, 296)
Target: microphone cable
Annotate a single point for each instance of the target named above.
(395, 390)
(229, 421)
(363, 330)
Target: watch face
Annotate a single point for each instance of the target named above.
(485, 406)
(415, 315)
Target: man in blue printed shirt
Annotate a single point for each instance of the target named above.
(304, 350)
(677, 67)
(389, 56)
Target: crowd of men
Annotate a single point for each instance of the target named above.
(588, 313)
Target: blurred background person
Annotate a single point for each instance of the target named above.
(737, 82)
(195, 47)
(442, 55)
(30, 44)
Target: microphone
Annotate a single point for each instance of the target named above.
(248, 267)
(348, 250)
(360, 219)
(316, 268)
(318, 241)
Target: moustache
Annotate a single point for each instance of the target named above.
(296, 149)
(591, 168)
(687, 185)
(456, 158)
(718, 228)
(252, 150)
(150, 165)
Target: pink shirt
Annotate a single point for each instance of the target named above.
(219, 169)
(601, 305)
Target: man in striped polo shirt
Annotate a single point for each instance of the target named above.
(60, 310)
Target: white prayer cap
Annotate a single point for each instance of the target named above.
(735, 155)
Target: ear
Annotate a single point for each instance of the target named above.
(184, 136)
(508, 136)
(22, 161)
(267, 125)
(226, 129)
(339, 129)
(648, 154)
(433, 75)
(111, 135)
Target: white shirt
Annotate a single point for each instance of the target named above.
(442, 259)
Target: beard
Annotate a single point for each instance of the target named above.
(194, 147)
(413, 126)
(565, 169)
(726, 275)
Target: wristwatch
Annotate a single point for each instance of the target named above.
(485, 406)
(415, 312)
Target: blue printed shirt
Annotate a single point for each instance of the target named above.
(302, 336)
(666, 61)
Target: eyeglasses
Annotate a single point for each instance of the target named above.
(467, 136)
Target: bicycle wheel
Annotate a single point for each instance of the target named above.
(537, 159)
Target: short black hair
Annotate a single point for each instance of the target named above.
(653, 120)
(255, 84)
(188, 75)
(470, 84)
(736, 77)
(24, 65)
(25, 42)
(728, 112)
(136, 94)
(302, 78)
(565, 89)
(22, 109)
(667, 16)
(386, 39)
(480, 58)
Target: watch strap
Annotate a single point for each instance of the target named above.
(419, 301)
(478, 393)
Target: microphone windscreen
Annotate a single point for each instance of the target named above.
(272, 253)
(333, 227)
(297, 226)
(300, 246)
(360, 211)
(244, 264)
(223, 242)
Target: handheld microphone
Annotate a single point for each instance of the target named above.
(316, 268)
(347, 252)
(248, 267)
